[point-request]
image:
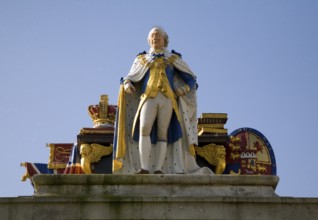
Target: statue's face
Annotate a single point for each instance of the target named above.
(156, 40)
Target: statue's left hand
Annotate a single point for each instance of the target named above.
(129, 88)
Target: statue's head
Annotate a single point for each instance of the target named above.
(158, 38)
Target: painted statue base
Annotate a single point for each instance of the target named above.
(170, 185)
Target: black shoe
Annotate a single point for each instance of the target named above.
(158, 172)
(142, 171)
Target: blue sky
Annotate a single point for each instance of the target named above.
(255, 60)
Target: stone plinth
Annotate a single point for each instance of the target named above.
(199, 186)
(157, 197)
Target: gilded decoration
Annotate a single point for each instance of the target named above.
(249, 153)
(103, 114)
(92, 153)
(100, 131)
(59, 155)
(212, 124)
(214, 155)
(26, 175)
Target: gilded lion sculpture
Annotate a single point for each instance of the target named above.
(214, 155)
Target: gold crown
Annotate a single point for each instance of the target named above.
(102, 114)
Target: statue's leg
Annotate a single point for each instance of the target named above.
(164, 117)
(161, 156)
(144, 152)
(148, 115)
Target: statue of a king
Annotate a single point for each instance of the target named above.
(156, 122)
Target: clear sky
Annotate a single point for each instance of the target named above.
(255, 60)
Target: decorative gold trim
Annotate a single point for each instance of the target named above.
(214, 115)
(51, 156)
(121, 126)
(232, 172)
(192, 149)
(117, 164)
(96, 131)
(56, 166)
(121, 130)
(212, 130)
(219, 126)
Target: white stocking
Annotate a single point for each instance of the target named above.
(161, 154)
(144, 151)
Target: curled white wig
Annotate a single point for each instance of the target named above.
(162, 32)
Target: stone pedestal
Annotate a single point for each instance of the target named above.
(168, 185)
(105, 196)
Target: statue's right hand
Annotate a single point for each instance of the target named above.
(129, 88)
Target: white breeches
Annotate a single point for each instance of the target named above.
(159, 107)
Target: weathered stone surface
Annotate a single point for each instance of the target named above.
(156, 185)
(157, 197)
(152, 207)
